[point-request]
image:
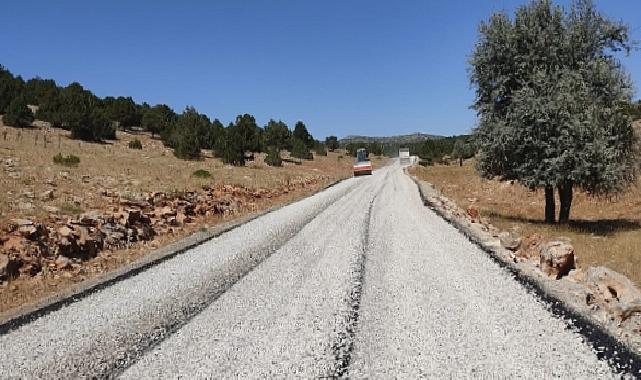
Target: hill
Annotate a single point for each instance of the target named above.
(399, 139)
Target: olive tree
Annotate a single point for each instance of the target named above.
(550, 95)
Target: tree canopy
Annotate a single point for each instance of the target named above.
(549, 96)
(18, 114)
(95, 119)
(331, 142)
(277, 134)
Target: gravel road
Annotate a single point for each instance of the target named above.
(359, 280)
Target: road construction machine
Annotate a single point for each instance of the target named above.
(363, 165)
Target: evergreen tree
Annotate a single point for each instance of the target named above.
(276, 134)
(39, 91)
(331, 142)
(18, 114)
(300, 150)
(157, 118)
(10, 88)
(273, 157)
(123, 111)
(301, 133)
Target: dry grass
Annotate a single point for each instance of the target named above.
(114, 166)
(603, 231)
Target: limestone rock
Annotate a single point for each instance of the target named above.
(556, 259)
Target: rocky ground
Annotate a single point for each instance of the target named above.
(61, 225)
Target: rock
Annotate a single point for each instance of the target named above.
(509, 241)
(614, 291)
(556, 259)
(529, 248)
(17, 223)
(14, 243)
(27, 231)
(64, 231)
(25, 206)
(473, 212)
(51, 209)
(62, 262)
(9, 266)
(577, 275)
(46, 196)
(181, 218)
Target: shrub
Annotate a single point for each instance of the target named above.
(135, 144)
(70, 208)
(202, 173)
(69, 160)
(273, 157)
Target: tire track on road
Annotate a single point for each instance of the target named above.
(344, 344)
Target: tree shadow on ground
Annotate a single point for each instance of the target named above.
(599, 227)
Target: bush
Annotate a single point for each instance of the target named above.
(202, 173)
(273, 157)
(18, 114)
(69, 160)
(135, 144)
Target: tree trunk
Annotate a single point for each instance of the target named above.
(460, 161)
(550, 207)
(565, 198)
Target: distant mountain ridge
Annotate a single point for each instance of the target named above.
(399, 139)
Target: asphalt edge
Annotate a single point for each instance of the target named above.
(27, 313)
(622, 357)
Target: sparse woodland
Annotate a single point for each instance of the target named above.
(94, 119)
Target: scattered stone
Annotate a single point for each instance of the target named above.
(473, 213)
(529, 247)
(556, 259)
(51, 209)
(509, 241)
(9, 267)
(46, 196)
(615, 291)
(25, 206)
(65, 231)
(62, 262)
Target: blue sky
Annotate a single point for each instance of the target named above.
(342, 66)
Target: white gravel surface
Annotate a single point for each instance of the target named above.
(359, 280)
(435, 305)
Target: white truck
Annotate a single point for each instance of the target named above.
(404, 156)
